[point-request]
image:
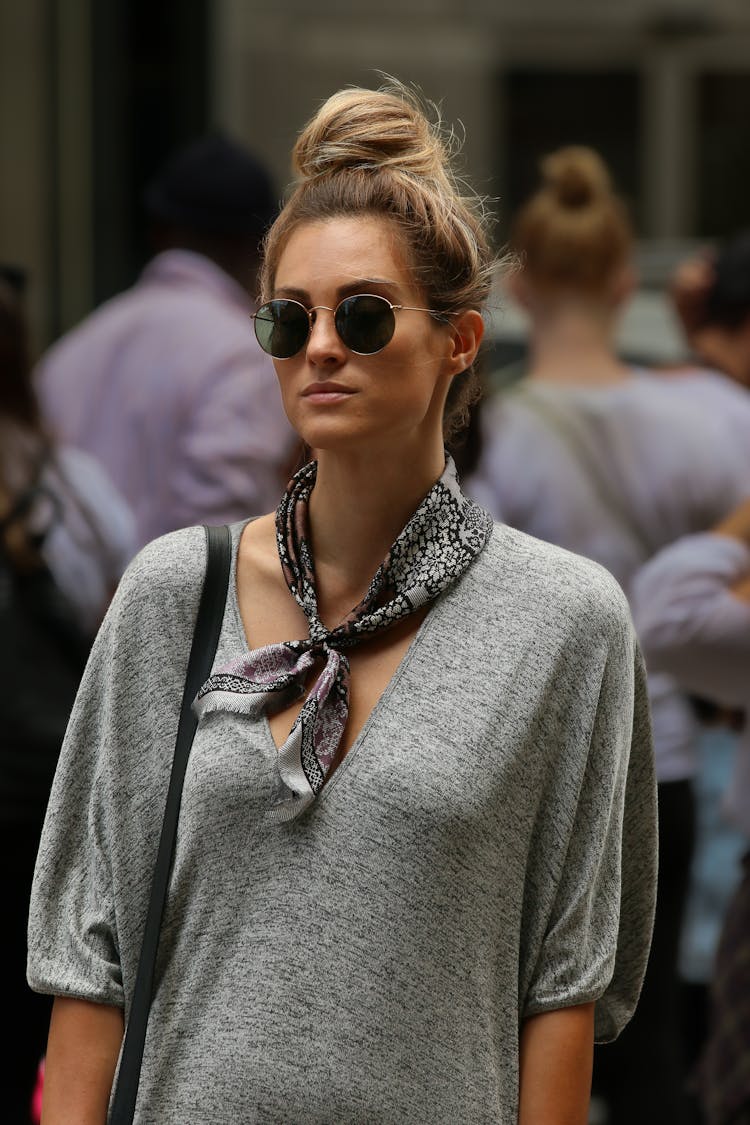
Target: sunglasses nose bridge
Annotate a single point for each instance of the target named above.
(314, 309)
(331, 327)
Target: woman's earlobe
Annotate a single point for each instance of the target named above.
(468, 332)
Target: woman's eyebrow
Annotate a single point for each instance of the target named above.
(359, 285)
(293, 294)
(364, 284)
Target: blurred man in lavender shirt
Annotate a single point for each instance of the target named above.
(165, 384)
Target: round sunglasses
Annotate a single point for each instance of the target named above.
(365, 323)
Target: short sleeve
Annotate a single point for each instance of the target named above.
(72, 940)
(100, 836)
(597, 937)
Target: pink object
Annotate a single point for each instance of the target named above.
(36, 1097)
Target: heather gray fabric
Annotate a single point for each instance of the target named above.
(465, 867)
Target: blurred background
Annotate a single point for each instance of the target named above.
(94, 94)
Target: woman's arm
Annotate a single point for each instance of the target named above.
(82, 1051)
(690, 604)
(556, 1060)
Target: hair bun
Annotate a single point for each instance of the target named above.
(576, 175)
(358, 128)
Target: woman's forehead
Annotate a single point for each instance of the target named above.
(343, 250)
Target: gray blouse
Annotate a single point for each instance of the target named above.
(485, 852)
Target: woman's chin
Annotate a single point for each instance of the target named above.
(332, 435)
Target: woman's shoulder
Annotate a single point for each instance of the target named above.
(545, 585)
(517, 554)
(176, 560)
(163, 582)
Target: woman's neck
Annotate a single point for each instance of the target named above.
(357, 509)
(575, 345)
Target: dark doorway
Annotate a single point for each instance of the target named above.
(723, 153)
(151, 85)
(545, 109)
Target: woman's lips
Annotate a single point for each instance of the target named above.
(326, 393)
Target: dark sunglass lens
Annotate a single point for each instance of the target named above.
(365, 323)
(281, 328)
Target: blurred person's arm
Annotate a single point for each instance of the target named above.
(737, 526)
(556, 1056)
(82, 1052)
(691, 605)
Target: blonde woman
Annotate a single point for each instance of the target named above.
(414, 873)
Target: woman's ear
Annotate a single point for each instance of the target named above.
(467, 334)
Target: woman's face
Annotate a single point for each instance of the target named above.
(334, 398)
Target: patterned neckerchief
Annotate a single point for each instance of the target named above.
(442, 538)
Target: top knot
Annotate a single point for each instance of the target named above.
(358, 128)
(576, 175)
(574, 234)
(384, 156)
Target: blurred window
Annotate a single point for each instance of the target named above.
(723, 153)
(545, 109)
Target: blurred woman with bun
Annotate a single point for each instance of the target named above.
(605, 459)
(414, 873)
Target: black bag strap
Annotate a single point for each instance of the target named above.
(205, 639)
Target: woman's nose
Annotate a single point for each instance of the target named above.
(324, 345)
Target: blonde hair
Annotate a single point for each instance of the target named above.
(376, 152)
(574, 233)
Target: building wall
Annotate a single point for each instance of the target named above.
(77, 79)
(92, 97)
(45, 203)
(274, 65)
(272, 69)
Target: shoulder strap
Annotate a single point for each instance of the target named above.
(573, 435)
(205, 639)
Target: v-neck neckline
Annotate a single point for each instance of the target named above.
(240, 636)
